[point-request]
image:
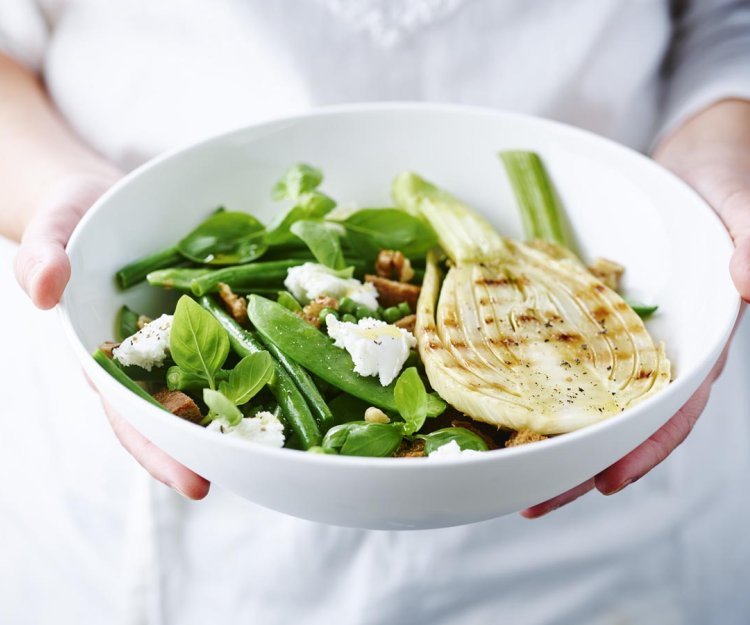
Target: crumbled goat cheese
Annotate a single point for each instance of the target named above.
(376, 347)
(148, 347)
(264, 428)
(311, 280)
(452, 450)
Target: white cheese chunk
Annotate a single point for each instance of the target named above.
(311, 280)
(148, 347)
(264, 428)
(452, 450)
(376, 347)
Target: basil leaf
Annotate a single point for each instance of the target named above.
(346, 408)
(221, 406)
(359, 438)
(642, 310)
(411, 400)
(312, 205)
(225, 238)
(374, 229)
(466, 439)
(323, 243)
(197, 341)
(298, 179)
(250, 375)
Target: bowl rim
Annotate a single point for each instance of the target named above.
(111, 386)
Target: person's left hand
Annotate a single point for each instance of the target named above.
(711, 152)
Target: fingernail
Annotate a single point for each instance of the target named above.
(626, 483)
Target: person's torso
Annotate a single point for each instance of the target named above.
(135, 77)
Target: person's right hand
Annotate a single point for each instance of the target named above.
(43, 269)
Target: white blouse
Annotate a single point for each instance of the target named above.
(85, 537)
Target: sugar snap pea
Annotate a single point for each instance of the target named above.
(294, 408)
(316, 352)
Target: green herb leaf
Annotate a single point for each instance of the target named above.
(221, 406)
(466, 439)
(197, 341)
(374, 229)
(225, 238)
(323, 243)
(250, 375)
(298, 179)
(411, 400)
(312, 205)
(642, 310)
(360, 438)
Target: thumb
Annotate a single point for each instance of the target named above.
(42, 267)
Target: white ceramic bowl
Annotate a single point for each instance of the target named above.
(622, 206)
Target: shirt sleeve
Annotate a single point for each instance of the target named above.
(709, 58)
(23, 32)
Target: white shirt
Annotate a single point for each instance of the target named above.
(85, 537)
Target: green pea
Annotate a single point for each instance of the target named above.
(349, 318)
(362, 312)
(404, 308)
(347, 305)
(376, 314)
(325, 312)
(392, 314)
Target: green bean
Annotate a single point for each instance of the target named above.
(135, 272)
(127, 323)
(315, 352)
(247, 276)
(295, 410)
(306, 386)
(175, 278)
(111, 367)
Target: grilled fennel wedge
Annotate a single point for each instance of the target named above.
(522, 336)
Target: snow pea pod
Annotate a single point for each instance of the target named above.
(294, 409)
(315, 352)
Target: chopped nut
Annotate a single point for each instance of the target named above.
(235, 304)
(411, 449)
(376, 415)
(311, 312)
(143, 321)
(608, 271)
(407, 323)
(107, 347)
(179, 404)
(522, 437)
(392, 263)
(392, 293)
